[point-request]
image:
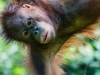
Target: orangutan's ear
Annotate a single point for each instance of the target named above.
(27, 6)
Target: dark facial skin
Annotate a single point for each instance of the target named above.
(31, 23)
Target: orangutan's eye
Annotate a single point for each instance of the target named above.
(29, 22)
(26, 33)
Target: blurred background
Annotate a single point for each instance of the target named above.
(82, 60)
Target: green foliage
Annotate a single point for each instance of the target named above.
(83, 60)
(2, 4)
(11, 56)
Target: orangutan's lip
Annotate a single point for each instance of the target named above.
(46, 37)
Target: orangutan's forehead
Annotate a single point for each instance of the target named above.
(14, 23)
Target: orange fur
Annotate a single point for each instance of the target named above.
(88, 32)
